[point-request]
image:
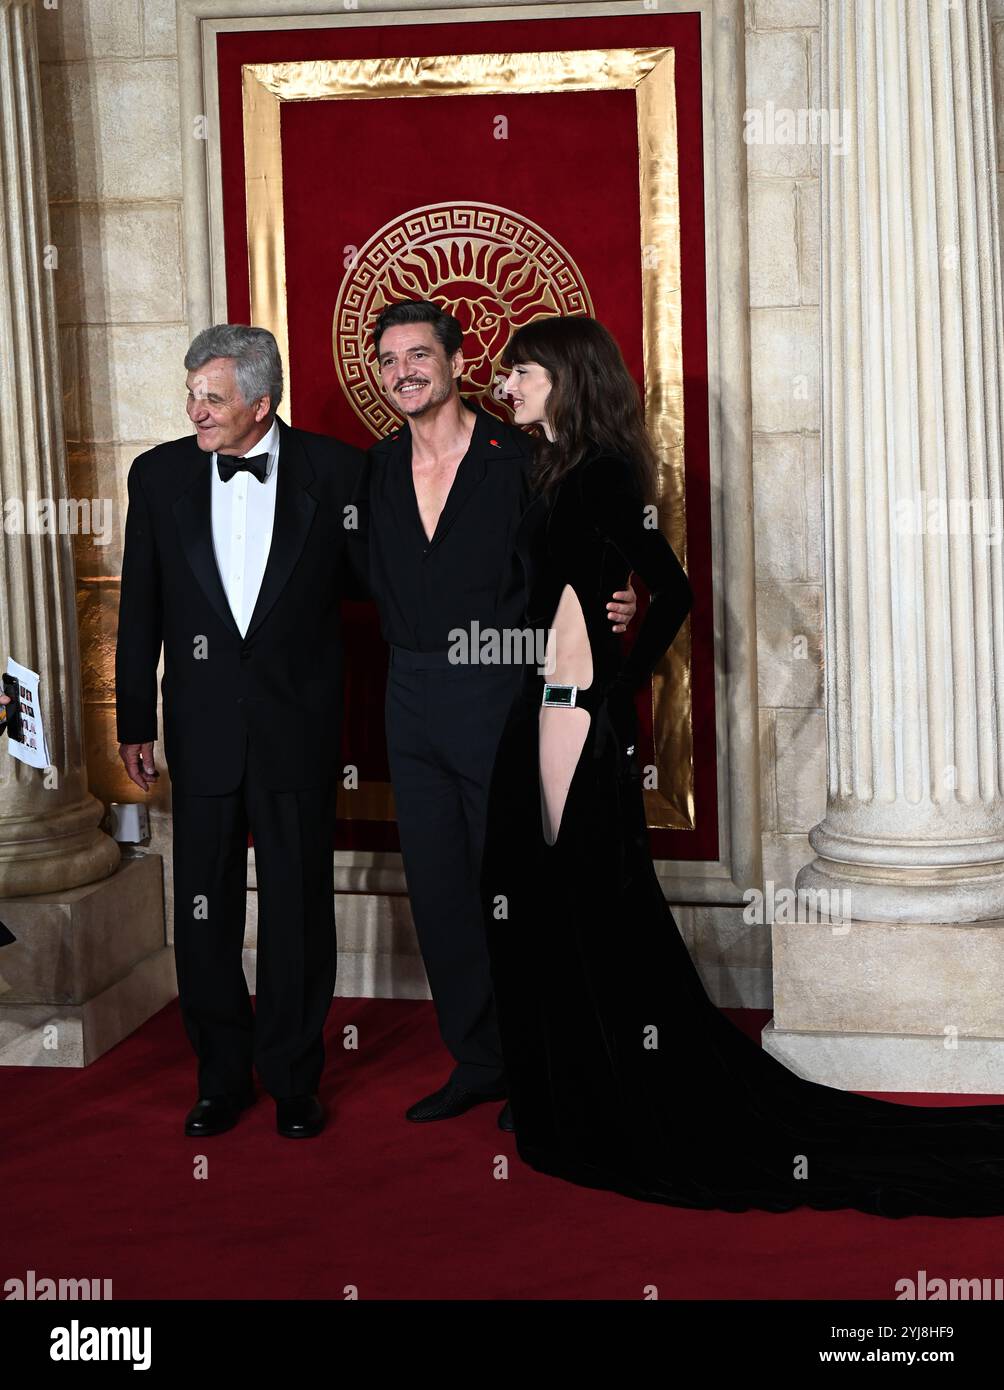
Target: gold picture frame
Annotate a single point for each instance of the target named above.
(650, 73)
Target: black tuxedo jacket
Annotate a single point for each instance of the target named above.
(280, 685)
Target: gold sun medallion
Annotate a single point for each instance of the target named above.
(492, 268)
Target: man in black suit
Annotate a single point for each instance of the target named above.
(439, 505)
(235, 559)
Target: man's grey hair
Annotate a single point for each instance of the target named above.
(255, 353)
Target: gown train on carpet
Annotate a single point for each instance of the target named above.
(622, 1074)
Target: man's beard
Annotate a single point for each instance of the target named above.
(436, 397)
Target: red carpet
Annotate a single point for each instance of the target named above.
(97, 1182)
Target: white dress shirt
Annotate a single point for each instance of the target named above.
(243, 514)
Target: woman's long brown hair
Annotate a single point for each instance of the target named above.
(593, 399)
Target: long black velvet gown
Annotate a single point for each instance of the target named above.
(590, 970)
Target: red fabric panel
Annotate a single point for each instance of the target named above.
(416, 153)
(570, 164)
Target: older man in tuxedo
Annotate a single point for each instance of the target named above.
(235, 560)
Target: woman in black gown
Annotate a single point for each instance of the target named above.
(622, 1074)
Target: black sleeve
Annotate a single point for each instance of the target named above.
(356, 570)
(614, 505)
(140, 627)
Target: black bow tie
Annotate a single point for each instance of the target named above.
(228, 467)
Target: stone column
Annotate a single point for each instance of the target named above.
(912, 341)
(49, 836)
(89, 963)
(913, 334)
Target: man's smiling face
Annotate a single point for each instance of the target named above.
(224, 422)
(415, 371)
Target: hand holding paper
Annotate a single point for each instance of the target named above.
(32, 747)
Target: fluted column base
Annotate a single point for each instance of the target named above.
(53, 851)
(885, 879)
(919, 895)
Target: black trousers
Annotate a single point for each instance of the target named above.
(443, 725)
(297, 956)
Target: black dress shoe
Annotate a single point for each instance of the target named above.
(215, 1115)
(299, 1117)
(449, 1101)
(505, 1118)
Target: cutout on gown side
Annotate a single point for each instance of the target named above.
(562, 733)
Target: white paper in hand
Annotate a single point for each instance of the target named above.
(33, 748)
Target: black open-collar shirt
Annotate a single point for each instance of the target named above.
(470, 572)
